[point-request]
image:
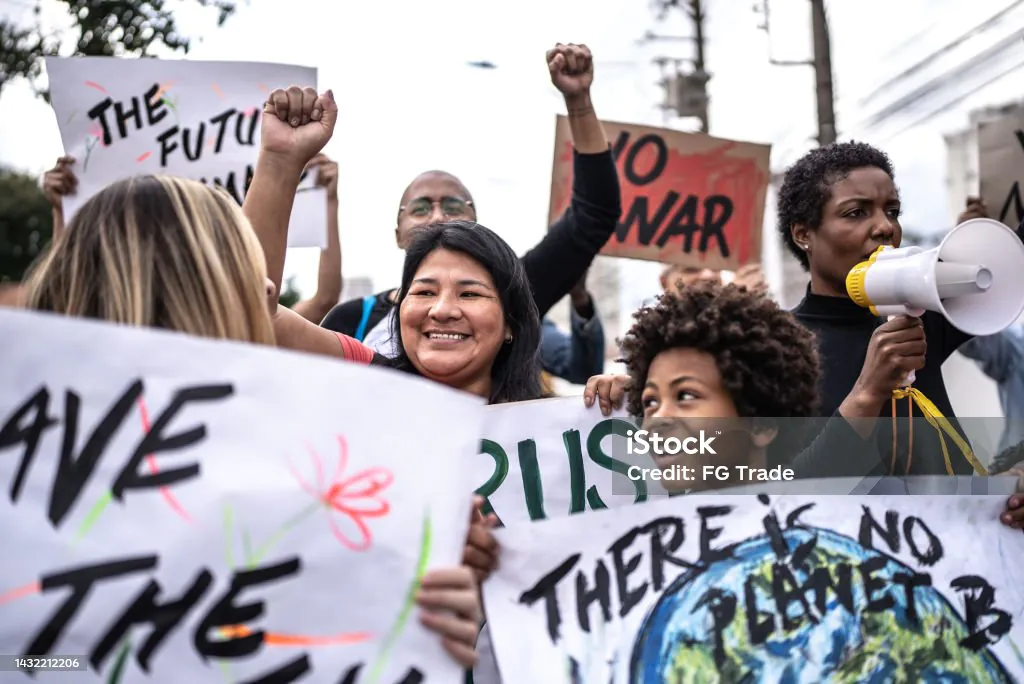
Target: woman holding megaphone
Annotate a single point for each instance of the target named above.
(837, 208)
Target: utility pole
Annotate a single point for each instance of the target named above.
(697, 14)
(686, 93)
(823, 86)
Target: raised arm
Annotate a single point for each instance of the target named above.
(58, 182)
(296, 125)
(562, 258)
(328, 289)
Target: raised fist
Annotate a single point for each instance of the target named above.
(327, 173)
(297, 123)
(60, 181)
(572, 69)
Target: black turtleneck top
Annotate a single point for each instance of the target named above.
(843, 330)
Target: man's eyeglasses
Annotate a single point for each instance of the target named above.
(451, 207)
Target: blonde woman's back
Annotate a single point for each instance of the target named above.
(160, 252)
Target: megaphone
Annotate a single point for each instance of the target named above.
(973, 278)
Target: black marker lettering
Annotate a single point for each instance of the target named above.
(599, 594)
(221, 121)
(545, 588)
(197, 149)
(99, 112)
(786, 591)
(73, 472)
(226, 614)
(910, 582)
(164, 618)
(707, 534)
(979, 602)
(760, 623)
(248, 138)
(722, 606)
(628, 598)
(657, 168)
(122, 116)
(933, 554)
(890, 533)
(821, 581)
(872, 584)
(80, 580)
(17, 431)
(155, 442)
(661, 551)
(168, 143)
(155, 111)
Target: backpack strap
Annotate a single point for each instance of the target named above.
(368, 302)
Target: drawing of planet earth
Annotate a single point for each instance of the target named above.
(676, 644)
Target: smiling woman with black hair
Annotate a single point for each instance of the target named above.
(466, 317)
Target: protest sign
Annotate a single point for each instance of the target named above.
(555, 457)
(687, 198)
(760, 589)
(184, 510)
(1001, 167)
(200, 120)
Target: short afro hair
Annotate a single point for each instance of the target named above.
(767, 360)
(807, 186)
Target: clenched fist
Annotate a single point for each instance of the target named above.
(297, 123)
(572, 69)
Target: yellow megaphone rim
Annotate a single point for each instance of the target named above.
(855, 282)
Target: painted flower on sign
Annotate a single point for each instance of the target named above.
(350, 500)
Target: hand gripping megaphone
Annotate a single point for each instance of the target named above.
(973, 278)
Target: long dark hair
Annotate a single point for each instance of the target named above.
(515, 374)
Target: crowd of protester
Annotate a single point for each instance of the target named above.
(467, 312)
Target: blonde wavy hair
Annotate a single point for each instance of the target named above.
(159, 252)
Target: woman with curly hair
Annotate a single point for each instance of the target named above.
(731, 362)
(837, 206)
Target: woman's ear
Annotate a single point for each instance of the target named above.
(801, 236)
(763, 435)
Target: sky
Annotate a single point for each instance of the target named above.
(409, 102)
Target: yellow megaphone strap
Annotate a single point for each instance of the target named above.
(942, 425)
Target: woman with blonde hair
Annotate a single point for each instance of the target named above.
(159, 252)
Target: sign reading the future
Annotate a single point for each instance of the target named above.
(182, 510)
(201, 120)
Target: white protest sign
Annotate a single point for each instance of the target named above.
(758, 589)
(201, 120)
(554, 457)
(181, 510)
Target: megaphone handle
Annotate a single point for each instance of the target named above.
(909, 378)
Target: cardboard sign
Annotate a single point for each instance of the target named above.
(180, 510)
(1001, 166)
(762, 589)
(687, 198)
(201, 120)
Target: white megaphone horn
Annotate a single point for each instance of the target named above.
(973, 278)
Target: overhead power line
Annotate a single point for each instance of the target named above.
(946, 49)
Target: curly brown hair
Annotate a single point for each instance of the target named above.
(767, 360)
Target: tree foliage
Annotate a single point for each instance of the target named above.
(106, 28)
(290, 295)
(26, 223)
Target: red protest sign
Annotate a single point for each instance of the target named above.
(687, 198)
